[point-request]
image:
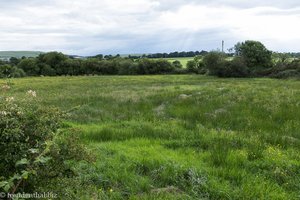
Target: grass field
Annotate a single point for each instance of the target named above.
(182, 60)
(18, 54)
(179, 137)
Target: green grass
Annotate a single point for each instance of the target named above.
(19, 54)
(182, 60)
(179, 137)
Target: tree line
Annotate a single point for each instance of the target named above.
(58, 64)
(250, 59)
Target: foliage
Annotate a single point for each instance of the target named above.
(54, 63)
(177, 64)
(160, 66)
(196, 66)
(8, 71)
(214, 61)
(173, 54)
(255, 55)
(29, 66)
(251, 59)
(32, 147)
(285, 69)
(25, 131)
(235, 68)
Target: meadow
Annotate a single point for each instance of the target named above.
(178, 136)
(182, 60)
(18, 54)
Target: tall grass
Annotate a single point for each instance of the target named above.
(180, 137)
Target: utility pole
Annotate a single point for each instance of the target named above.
(222, 46)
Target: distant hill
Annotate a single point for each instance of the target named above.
(18, 54)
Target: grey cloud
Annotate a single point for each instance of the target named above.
(135, 26)
(256, 3)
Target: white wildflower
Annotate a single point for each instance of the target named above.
(5, 87)
(31, 93)
(9, 99)
(4, 113)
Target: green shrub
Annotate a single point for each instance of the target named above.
(33, 147)
(24, 132)
(290, 73)
(8, 71)
(65, 148)
(214, 61)
(177, 64)
(159, 66)
(286, 70)
(191, 66)
(235, 68)
(196, 66)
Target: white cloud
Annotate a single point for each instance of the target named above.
(112, 26)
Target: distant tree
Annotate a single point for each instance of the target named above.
(127, 67)
(14, 60)
(29, 66)
(255, 54)
(73, 67)
(46, 70)
(108, 57)
(214, 61)
(99, 56)
(54, 60)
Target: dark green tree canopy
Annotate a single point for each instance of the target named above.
(254, 53)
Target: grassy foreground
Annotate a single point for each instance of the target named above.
(179, 137)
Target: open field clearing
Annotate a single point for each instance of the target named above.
(18, 54)
(183, 60)
(178, 136)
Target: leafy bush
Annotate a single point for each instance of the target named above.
(24, 133)
(159, 66)
(235, 68)
(177, 64)
(284, 69)
(290, 73)
(196, 66)
(214, 61)
(66, 147)
(7, 71)
(191, 66)
(33, 147)
(127, 67)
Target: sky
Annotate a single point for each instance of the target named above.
(90, 27)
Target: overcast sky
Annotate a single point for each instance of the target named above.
(87, 27)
